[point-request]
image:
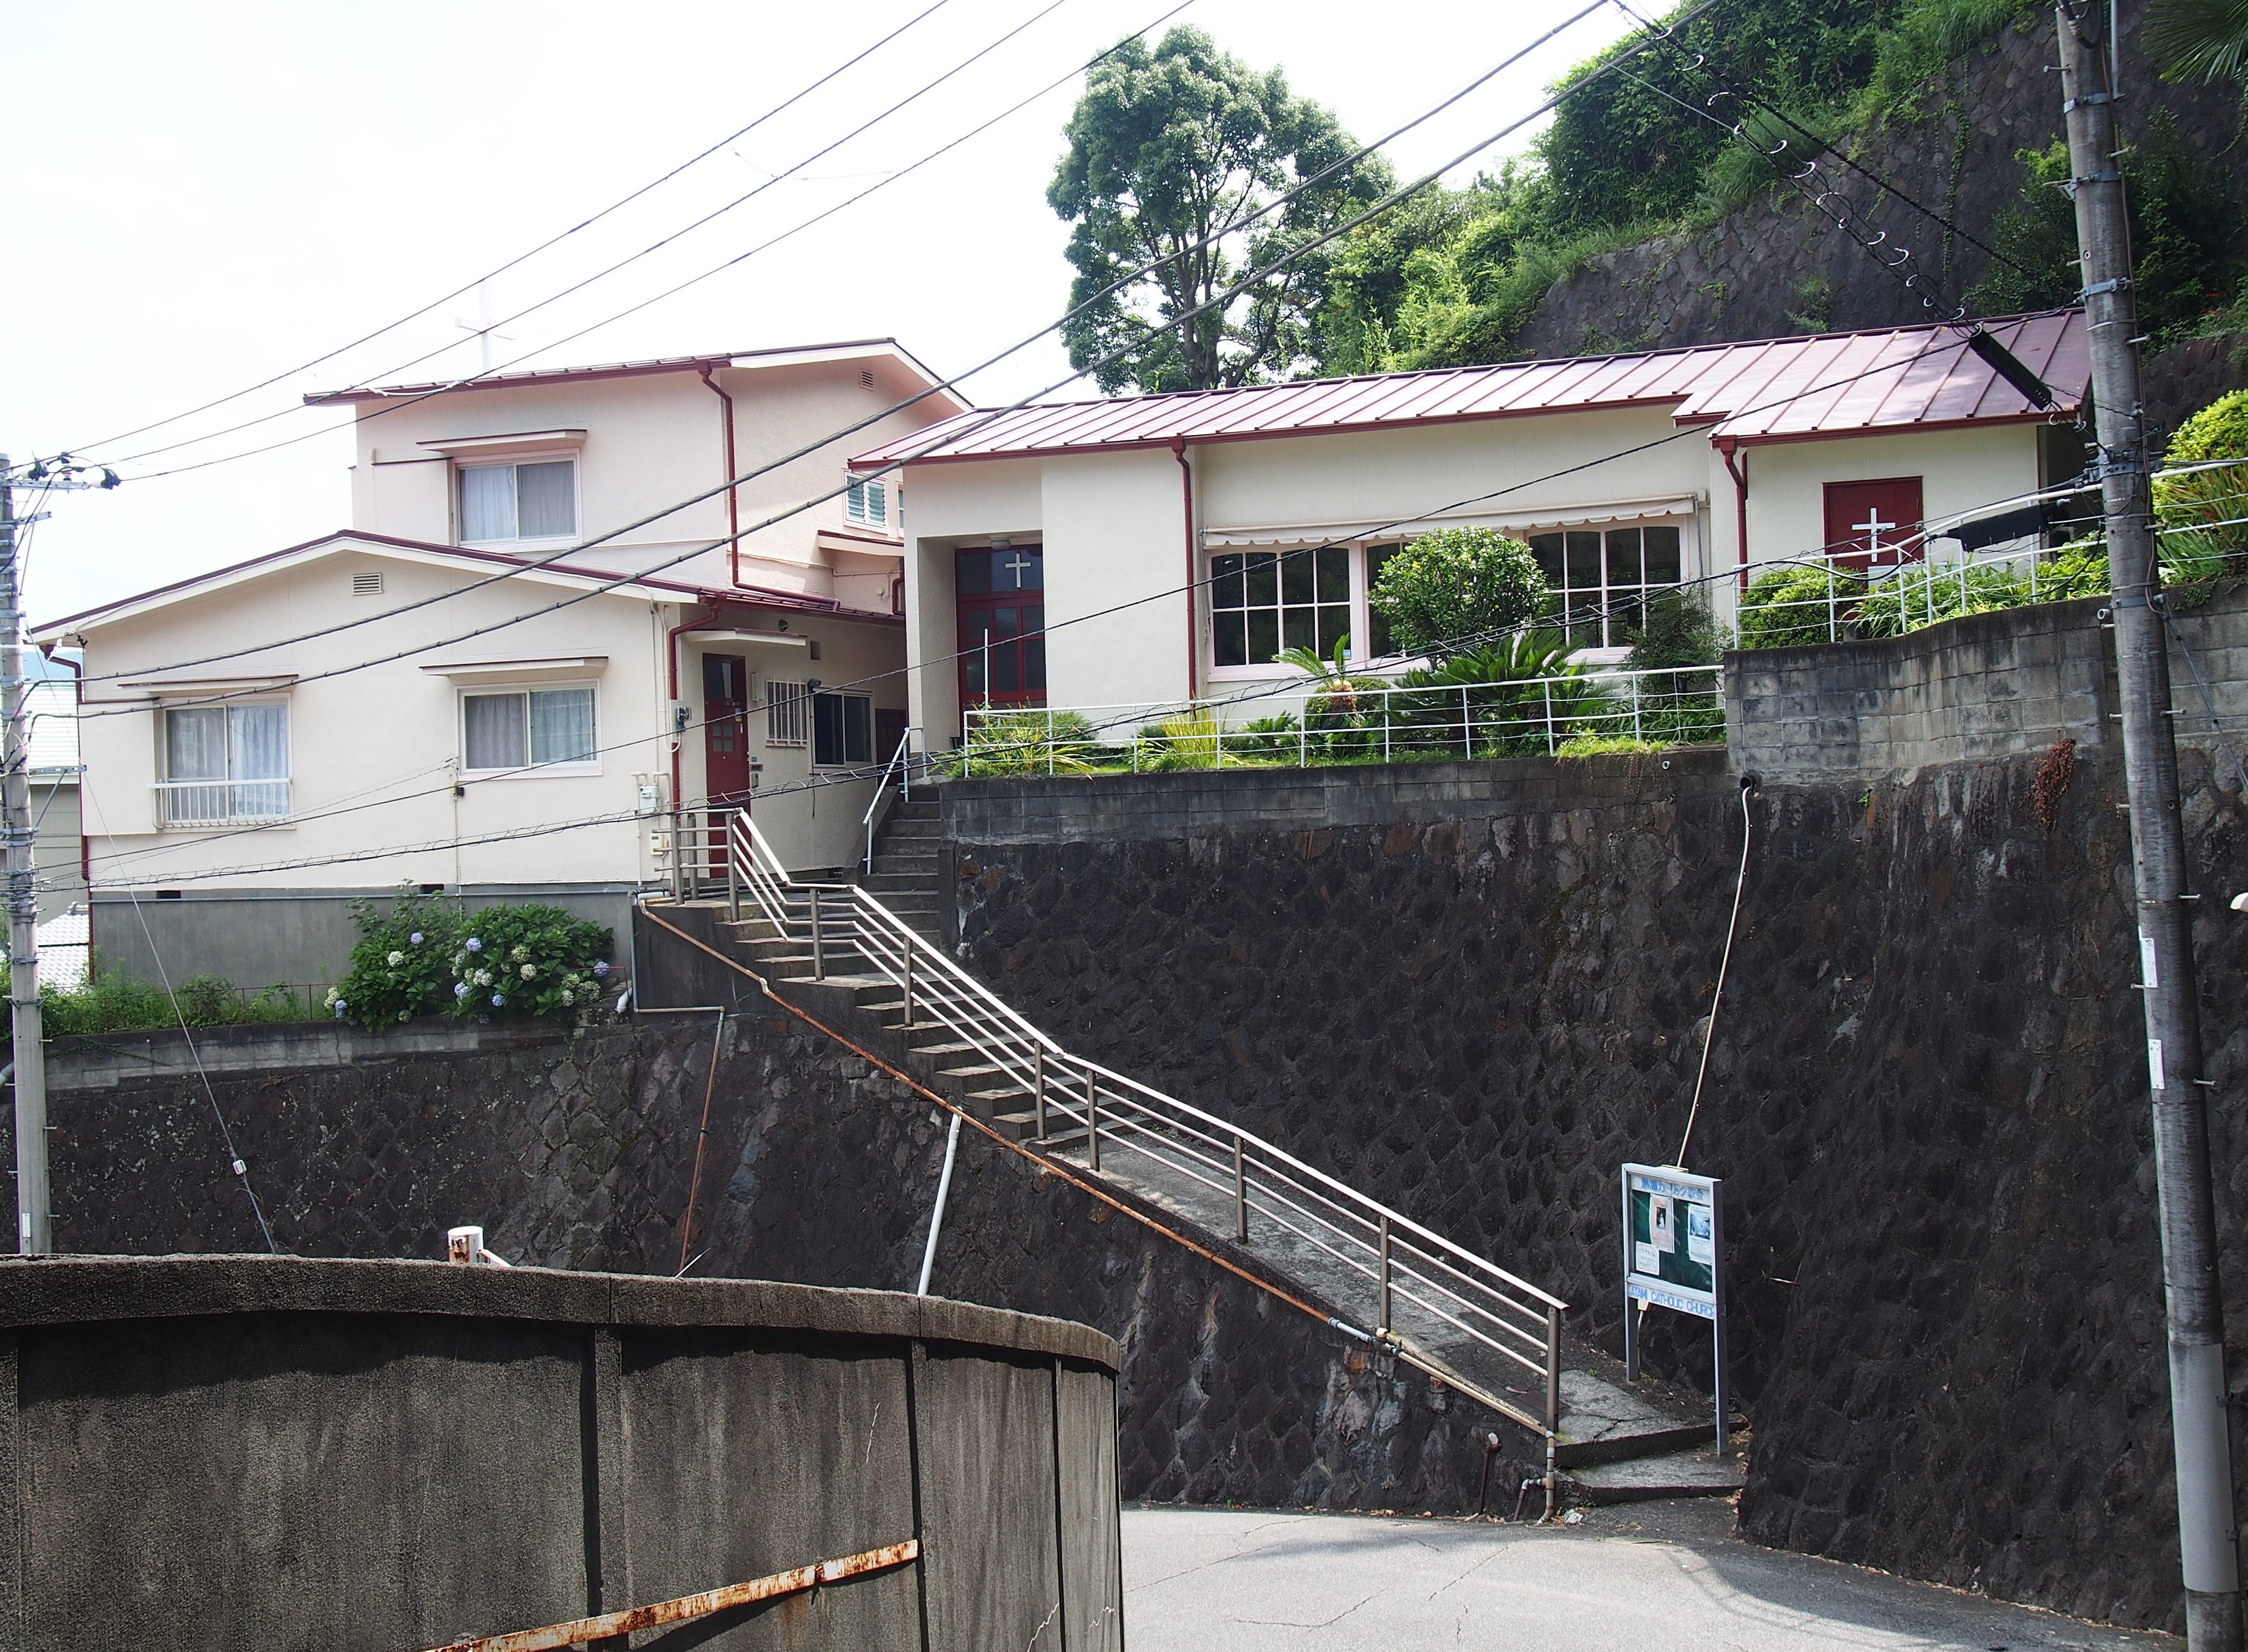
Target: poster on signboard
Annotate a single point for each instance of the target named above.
(1671, 1229)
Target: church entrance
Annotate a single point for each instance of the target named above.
(1002, 619)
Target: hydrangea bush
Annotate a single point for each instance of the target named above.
(427, 956)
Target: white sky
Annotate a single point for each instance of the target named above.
(205, 196)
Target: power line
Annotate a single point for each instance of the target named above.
(552, 240)
(1219, 301)
(598, 275)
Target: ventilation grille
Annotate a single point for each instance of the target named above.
(366, 584)
(867, 378)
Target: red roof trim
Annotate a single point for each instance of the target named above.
(612, 370)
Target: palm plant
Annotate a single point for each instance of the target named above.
(1342, 703)
(2207, 38)
(1506, 699)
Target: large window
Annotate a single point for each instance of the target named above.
(1602, 579)
(225, 762)
(842, 729)
(500, 502)
(1263, 601)
(533, 728)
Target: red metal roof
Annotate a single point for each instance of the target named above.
(1831, 384)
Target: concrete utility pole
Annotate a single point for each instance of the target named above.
(2208, 1539)
(34, 1229)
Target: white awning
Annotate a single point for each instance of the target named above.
(518, 442)
(1504, 521)
(543, 670)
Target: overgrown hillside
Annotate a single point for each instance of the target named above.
(1641, 219)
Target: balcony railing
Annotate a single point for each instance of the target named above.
(200, 803)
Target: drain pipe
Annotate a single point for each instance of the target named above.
(936, 1217)
(733, 498)
(1186, 485)
(1727, 447)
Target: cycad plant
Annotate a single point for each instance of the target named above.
(1344, 714)
(1510, 699)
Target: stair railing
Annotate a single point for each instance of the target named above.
(1401, 1260)
(900, 764)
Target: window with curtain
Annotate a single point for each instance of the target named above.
(500, 502)
(226, 762)
(1263, 601)
(532, 728)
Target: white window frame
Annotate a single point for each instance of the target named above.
(571, 457)
(856, 496)
(1689, 560)
(168, 787)
(527, 770)
(788, 715)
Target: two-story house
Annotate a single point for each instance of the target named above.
(524, 648)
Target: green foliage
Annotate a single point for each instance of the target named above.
(427, 956)
(1167, 147)
(1186, 740)
(1266, 738)
(1601, 745)
(2202, 512)
(1791, 607)
(1514, 697)
(1678, 629)
(1025, 742)
(2184, 228)
(1452, 282)
(1929, 594)
(111, 1003)
(1457, 585)
(2205, 37)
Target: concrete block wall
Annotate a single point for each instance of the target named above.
(1974, 689)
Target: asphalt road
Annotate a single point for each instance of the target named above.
(1663, 1577)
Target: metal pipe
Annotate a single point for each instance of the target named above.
(1040, 1092)
(818, 945)
(936, 1216)
(1093, 1117)
(701, 1136)
(907, 972)
(1194, 572)
(1240, 1196)
(1382, 1323)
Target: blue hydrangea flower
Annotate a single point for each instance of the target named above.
(339, 1009)
(499, 1000)
(460, 989)
(415, 938)
(474, 945)
(602, 969)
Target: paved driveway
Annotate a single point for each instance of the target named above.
(1661, 1577)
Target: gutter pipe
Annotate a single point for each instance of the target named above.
(936, 1217)
(1186, 485)
(733, 499)
(1727, 447)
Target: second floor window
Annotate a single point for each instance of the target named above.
(226, 762)
(527, 729)
(868, 501)
(501, 502)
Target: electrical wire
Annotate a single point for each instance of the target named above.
(1217, 303)
(1732, 925)
(599, 275)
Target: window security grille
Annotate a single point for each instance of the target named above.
(788, 714)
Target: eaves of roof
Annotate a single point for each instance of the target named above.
(842, 350)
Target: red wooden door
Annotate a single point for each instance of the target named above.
(725, 732)
(1873, 526)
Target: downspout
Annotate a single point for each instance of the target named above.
(1186, 485)
(85, 845)
(671, 661)
(1727, 447)
(733, 501)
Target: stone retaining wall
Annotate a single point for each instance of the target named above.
(1926, 1095)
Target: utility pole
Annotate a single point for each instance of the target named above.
(2208, 1538)
(34, 1225)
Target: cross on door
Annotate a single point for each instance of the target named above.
(1019, 564)
(1873, 524)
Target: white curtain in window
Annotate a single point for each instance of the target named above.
(488, 503)
(562, 725)
(194, 744)
(492, 730)
(259, 742)
(545, 505)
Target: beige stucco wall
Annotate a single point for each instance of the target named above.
(1959, 470)
(952, 503)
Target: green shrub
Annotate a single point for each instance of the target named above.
(1457, 587)
(1028, 742)
(1600, 746)
(1929, 593)
(1188, 740)
(2202, 512)
(111, 1003)
(1267, 738)
(1789, 608)
(427, 956)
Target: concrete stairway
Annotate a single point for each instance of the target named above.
(1619, 1443)
(904, 877)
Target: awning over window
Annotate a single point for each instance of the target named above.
(542, 670)
(1503, 521)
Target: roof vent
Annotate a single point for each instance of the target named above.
(368, 584)
(866, 377)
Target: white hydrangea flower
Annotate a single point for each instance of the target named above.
(530, 972)
(397, 958)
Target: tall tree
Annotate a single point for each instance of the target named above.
(1167, 148)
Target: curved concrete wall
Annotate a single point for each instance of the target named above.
(252, 1452)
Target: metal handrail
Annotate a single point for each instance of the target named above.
(1406, 1260)
(900, 764)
